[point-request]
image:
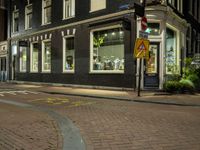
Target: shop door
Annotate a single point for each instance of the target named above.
(151, 71)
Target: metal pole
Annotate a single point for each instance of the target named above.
(140, 60)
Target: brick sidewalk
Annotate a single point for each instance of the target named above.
(25, 129)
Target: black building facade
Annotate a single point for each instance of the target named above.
(91, 42)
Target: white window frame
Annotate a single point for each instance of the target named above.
(93, 10)
(180, 5)
(72, 9)
(91, 53)
(26, 16)
(13, 20)
(64, 52)
(178, 51)
(43, 13)
(20, 59)
(31, 56)
(43, 48)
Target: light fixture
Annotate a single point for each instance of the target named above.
(113, 33)
(105, 34)
(120, 32)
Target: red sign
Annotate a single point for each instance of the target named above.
(144, 23)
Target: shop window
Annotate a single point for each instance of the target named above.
(34, 57)
(23, 59)
(68, 8)
(171, 52)
(96, 5)
(107, 50)
(153, 29)
(28, 17)
(68, 54)
(46, 56)
(15, 21)
(46, 11)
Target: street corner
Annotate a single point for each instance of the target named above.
(23, 129)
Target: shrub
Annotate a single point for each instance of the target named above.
(195, 79)
(172, 86)
(187, 85)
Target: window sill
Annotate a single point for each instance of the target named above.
(68, 72)
(46, 71)
(106, 72)
(33, 71)
(22, 71)
(45, 24)
(26, 29)
(93, 11)
(67, 18)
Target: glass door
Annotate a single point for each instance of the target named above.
(151, 73)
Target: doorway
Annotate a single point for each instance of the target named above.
(151, 71)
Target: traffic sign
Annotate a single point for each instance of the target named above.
(141, 49)
(144, 23)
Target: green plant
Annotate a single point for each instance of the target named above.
(98, 41)
(194, 79)
(172, 86)
(187, 85)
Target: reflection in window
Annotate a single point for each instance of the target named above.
(108, 50)
(153, 29)
(46, 56)
(23, 59)
(34, 57)
(46, 11)
(68, 54)
(171, 51)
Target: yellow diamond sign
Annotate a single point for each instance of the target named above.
(141, 49)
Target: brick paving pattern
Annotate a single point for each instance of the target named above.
(25, 129)
(116, 125)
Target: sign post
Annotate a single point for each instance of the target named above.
(142, 49)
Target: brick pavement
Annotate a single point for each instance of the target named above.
(118, 125)
(25, 129)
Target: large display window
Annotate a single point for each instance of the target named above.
(23, 59)
(68, 54)
(46, 56)
(172, 65)
(34, 57)
(107, 50)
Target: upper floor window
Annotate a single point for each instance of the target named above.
(96, 5)
(68, 8)
(2, 3)
(46, 11)
(15, 21)
(173, 3)
(28, 17)
(180, 5)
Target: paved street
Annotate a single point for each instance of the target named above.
(104, 124)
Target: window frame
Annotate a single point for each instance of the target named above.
(94, 10)
(43, 48)
(64, 53)
(31, 57)
(72, 9)
(91, 71)
(13, 21)
(43, 12)
(177, 51)
(20, 59)
(26, 16)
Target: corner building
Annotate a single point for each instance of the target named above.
(91, 42)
